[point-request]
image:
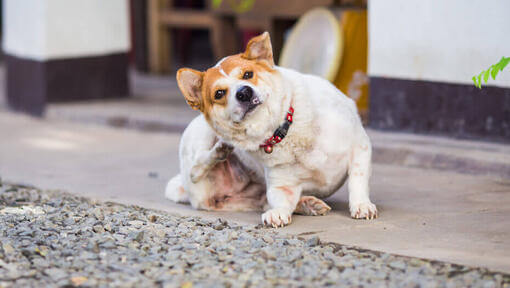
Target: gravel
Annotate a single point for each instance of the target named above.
(53, 239)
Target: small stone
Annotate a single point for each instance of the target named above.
(268, 254)
(98, 229)
(42, 250)
(98, 213)
(233, 235)
(136, 223)
(107, 227)
(398, 265)
(109, 244)
(267, 239)
(313, 241)
(416, 262)
(8, 250)
(219, 226)
(40, 262)
(153, 218)
(78, 280)
(136, 236)
(160, 233)
(55, 273)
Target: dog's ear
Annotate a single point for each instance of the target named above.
(190, 83)
(259, 48)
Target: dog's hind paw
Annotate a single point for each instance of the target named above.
(365, 210)
(174, 190)
(223, 150)
(311, 206)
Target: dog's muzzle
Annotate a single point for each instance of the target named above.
(247, 99)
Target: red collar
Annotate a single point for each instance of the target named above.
(279, 133)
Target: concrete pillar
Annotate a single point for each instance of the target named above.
(62, 50)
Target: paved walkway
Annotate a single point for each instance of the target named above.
(431, 213)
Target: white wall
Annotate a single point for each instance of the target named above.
(445, 41)
(52, 29)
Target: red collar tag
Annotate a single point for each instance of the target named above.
(279, 133)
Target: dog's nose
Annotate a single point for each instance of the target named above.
(244, 94)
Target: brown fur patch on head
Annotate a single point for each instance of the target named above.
(199, 88)
(235, 62)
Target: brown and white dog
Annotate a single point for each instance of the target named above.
(269, 136)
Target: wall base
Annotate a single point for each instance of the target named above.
(457, 110)
(31, 84)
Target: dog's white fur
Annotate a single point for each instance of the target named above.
(325, 145)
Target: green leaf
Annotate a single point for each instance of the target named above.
(474, 81)
(243, 6)
(246, 5)
(216, 3)
(494, 73)
(486, 75)
(503, 63)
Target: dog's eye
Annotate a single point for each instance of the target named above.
(247, 75)
(219, 94)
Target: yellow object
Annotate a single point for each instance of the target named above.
(314, 45)
(352, 76)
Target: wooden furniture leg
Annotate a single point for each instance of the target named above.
(223, 37)
(158, 37)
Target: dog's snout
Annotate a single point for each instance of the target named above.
(244, 94)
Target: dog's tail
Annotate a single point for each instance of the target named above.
(174, 190)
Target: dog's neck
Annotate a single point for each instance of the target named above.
(279, 134)
(300, 136)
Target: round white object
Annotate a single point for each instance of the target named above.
(314, 45)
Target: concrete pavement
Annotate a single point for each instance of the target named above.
(430, 213)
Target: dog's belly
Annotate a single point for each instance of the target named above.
(234, 187)
(323, 181)
(326, 165)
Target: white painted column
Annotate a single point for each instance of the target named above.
(444, 41)
(74, 42)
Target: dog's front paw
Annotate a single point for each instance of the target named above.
(277, 217)
(365, 210)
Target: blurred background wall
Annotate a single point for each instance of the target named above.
(422, 56)
(447, 41)
(55, 29)
(61, 50)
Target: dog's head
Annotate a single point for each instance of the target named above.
(234, 95)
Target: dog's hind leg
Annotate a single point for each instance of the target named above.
(311, 206)
(206, 160)
(359, 174)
